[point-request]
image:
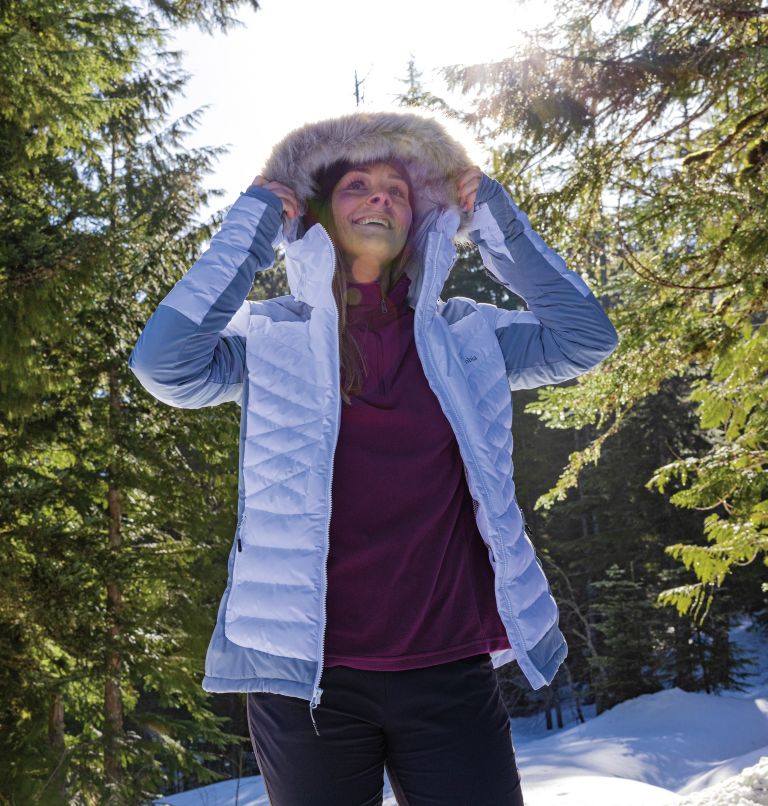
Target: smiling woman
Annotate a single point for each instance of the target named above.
(380, 569)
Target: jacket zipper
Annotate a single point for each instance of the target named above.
(475, 503)
(317, 692)
(475, 507)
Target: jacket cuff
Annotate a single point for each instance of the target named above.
(487, 189)
(273, 200)
(267, 196)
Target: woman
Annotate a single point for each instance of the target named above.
(379, 550)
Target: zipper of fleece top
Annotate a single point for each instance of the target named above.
(380, 355)
(317, 692)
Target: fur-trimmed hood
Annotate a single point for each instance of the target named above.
(432, 156)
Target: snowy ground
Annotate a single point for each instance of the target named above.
(671, 747)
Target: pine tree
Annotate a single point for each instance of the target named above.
(643, 129)
(417, 95)
(626, 646)
(59, 67)
(116, 514)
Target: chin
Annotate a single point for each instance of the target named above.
(384, 255)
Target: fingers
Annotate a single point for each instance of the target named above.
(286, 196)
(283, 192)
(467, 183)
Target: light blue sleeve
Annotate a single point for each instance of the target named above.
(565, 332)
(188, 355)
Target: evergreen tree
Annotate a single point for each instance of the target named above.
(417, 95)
(625, 617)
(643, 129)
(59, 68)
(117, 510)
(120, 505)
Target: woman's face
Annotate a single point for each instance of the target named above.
(371, 213)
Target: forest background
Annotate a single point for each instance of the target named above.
(635, 136)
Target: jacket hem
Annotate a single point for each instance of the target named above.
(502, 657)
(226, 685)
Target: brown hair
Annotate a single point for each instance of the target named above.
(353, 370)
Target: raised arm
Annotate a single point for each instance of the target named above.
(565, 332)
(187, 356)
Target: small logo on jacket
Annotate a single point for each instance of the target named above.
(470, 358)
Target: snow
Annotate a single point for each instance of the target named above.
(672, 747)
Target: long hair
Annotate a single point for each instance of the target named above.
(353, 369)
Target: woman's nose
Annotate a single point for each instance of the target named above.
(380, 197)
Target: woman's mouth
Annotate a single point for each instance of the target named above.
(373, 221)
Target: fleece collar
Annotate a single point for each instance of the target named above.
(364, 302)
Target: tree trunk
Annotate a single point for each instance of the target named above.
(586, 535)
(576, 694)
(57, 745)
(113, 702)
(56, 723)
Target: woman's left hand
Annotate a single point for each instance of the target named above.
(467, 183)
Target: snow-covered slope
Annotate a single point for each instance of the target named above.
(665, 739)
(646, 751)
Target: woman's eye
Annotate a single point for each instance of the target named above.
(360, 183)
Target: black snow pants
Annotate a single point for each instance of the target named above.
(442, 731)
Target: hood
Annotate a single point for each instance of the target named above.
(432, 156)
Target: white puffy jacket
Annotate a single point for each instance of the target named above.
(279, 359)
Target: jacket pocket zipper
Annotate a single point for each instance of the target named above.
(239, 527)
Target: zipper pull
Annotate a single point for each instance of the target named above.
(528, 530)
(383, 299)
(313, 703)
(239, 527)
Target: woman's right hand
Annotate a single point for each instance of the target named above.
(283, 192)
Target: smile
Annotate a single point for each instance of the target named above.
(375, 220)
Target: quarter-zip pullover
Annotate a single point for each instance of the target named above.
(410, 583)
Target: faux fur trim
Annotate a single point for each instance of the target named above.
(432, 155)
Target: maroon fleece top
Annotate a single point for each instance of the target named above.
(409, 579)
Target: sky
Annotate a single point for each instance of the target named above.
(294, 61)
(669, 748)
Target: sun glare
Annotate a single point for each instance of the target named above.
(294, 62)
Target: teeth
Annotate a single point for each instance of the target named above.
(371, 220)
